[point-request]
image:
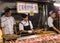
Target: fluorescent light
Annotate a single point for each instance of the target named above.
(57, 4)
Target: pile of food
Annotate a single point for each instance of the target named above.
(48, 39)
(41, 36)
(42, 33)
(10, 37)
(38, 31)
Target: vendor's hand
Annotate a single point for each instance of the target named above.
(32, 30)
(24, 31)
(59, 32)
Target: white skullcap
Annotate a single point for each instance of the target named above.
(50, 12)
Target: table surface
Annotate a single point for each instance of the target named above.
(35, 39)
(27, 37)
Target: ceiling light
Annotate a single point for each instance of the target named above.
(57, 4)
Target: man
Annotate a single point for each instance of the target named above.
(50, 22)
(25, 25)
(7, 22)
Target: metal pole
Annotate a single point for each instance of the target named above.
(43, 18)
(46, 17)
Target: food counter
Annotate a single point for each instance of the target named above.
(40, 36)
(47, 39)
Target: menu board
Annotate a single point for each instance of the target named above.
(27, 7)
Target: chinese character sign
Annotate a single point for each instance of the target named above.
(27, 7)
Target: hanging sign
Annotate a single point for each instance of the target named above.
(27, 7)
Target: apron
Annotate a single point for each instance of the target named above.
(25, 28)
(51, 29)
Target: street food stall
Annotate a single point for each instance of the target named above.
(40, 36)
(38, 14)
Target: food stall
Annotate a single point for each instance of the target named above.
(41, 35)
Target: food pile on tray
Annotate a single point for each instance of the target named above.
(47, 39)
(10, 37)
(46, 34)
(43, 33)
(41, 36)
(39, 31)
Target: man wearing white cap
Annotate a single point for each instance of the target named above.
(50, 22)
